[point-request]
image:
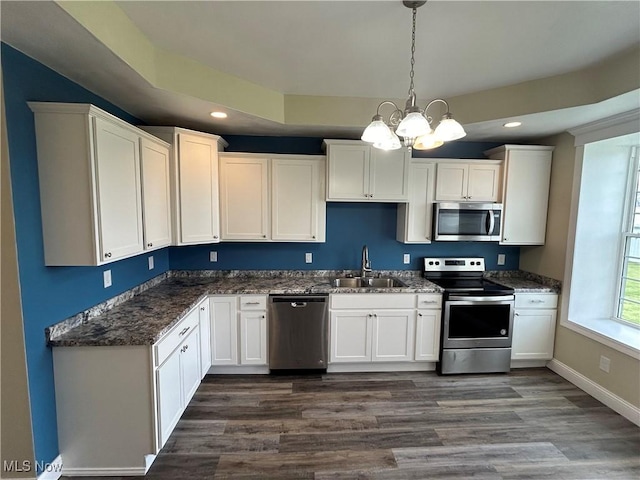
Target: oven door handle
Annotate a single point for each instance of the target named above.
(501, 298)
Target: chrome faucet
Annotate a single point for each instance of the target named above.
(366, 264)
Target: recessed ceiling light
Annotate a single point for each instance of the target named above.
(218, 115)
(512, 124)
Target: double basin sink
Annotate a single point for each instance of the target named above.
(366, 282)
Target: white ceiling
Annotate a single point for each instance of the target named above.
(344, 49)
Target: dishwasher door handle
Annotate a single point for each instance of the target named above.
(298, 304)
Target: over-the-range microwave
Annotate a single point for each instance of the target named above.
(467, 222)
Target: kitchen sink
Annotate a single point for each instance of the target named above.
(367, 282)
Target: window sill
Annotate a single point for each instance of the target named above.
(624, 338)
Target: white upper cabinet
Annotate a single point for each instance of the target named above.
(194, 184)
(156, 196)
(357, 172)
(298, 207)
(526, 192)
(415, 217)
(244, 189)
(272, 197)
(459, 181)
(91, 190)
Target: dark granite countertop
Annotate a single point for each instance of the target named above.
(143, 316)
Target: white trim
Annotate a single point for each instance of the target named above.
(615, 126)
(381, 367)
(105, 472)
(619, 405)
(528, 363)
(56, 471)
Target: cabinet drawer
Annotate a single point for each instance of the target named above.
(370, 301)
(431, 300)
(536, 300)
(253, 302)
(177, 334)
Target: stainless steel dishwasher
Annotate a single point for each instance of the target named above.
(298, 332)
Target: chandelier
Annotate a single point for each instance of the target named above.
(412, 124)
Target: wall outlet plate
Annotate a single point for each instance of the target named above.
(213, 256)
(308, 257)
(605, 364)
(406, 258)
(106, 276)
(151, 265)
(502, 258)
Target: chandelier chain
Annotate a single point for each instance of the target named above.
(413, 49)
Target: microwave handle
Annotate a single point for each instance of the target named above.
(491, 221)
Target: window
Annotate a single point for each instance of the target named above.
(628, 308)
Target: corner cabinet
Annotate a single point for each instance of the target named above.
(414, 221)
(103, 186)
(272, 197)
(194, 183)
(358, 172)
(526, 192)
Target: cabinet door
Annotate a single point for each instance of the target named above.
(526, 197)
(117, 158)
(389, 175)
(533, 334)
(169, 395)
(205, 336)
(156, 206)
(190, 372)
(348, 172)
(253, 338)
(244, 198)
(451, 182)
(297, 200)
(484, 183)
(224, 331)
(198, 186)
(428, 335)
(393, 335)
(415, 217)
(350, 336)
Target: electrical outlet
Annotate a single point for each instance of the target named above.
(106, 275)
(406, 259)
(605, 363)
(151, 262)
(308, 257)
(501, 258)
(213, 256)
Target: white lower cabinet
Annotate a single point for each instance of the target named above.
(377, 328)
(169, 397)
(239, 330)
(534, 326)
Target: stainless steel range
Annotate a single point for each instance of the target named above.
(477, 317)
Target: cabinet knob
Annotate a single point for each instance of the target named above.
(107, 255)
(264, 236)
(517, 314)
(419, 314)
(505, 239)
(313, 236)
(202, 308)
(149, 244)
(215, 237)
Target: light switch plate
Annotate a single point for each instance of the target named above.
(501, 259)
(308, 258)
(106, 275)
(213, 256)
(407, 259)
(151, 262)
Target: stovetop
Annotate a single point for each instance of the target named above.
(462, 276)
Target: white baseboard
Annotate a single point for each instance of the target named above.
(53, 470)
(105, 472)
(619, 405)
(381, 367)
(528, 363)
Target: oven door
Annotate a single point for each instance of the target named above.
(477, 321)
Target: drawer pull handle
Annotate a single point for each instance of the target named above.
(252, 303)
(536, 301)
(429, 301)
(184, 330)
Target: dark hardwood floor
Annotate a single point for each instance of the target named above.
(529, 424)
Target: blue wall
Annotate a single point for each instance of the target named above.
(51, 294)
(349, 226)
